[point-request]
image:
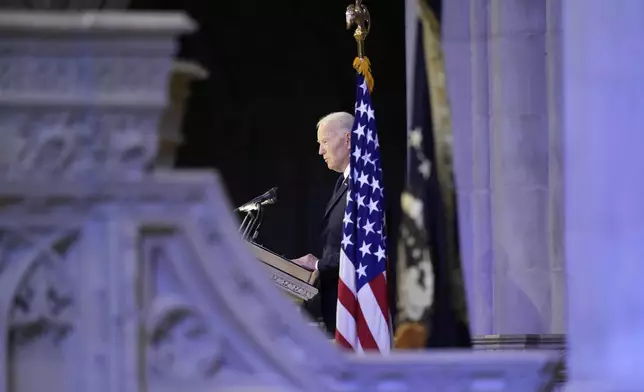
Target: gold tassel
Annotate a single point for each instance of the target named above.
(363, 66)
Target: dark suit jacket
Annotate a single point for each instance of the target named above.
(328, 265)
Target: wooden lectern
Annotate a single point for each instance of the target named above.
(296, 281)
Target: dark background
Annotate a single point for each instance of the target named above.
(276, 67)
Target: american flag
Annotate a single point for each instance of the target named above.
(362, 321)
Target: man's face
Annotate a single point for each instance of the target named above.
(334, 147)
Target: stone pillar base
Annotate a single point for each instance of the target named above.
(545, 342)
(603, 386)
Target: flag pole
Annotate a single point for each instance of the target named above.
(357, 14)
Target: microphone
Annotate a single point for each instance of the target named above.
(270, 197)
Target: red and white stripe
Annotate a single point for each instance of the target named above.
(362, 318)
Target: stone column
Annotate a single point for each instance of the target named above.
(555, 168)
(604, 201)
(465, 41)
(519, 166)
(504, 79)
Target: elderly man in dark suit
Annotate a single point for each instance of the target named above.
(334, 138)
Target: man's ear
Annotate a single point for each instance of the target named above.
(347, 138)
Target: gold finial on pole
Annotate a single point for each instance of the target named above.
(358, 14)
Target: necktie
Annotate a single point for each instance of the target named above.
(338, 184)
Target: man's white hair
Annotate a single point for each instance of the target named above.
(341, 121)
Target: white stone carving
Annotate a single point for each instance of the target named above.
(179, 341)
(38, 298)
(72, 143)
(79, 100)
(158, 291)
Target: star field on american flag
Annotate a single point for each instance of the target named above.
(363, 311)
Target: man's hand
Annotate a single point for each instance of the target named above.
(309, 261)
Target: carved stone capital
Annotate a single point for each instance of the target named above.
(85, 107)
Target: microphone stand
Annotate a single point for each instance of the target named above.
(249, 228)
(250, 224)
(258, 222)
(244, 222)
